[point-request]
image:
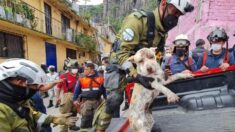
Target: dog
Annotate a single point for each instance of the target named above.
(140, 117)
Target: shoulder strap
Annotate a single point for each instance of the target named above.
(204, 58)
(226, 57)
(169, 61)
(151, 27)
(190, 61)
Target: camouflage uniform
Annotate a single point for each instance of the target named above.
(133, 35)
(12, 122)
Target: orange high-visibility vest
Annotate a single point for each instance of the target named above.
(89, 84)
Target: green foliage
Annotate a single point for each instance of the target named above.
(86, 42)
(92, 12)
(151, 5)
(28, 12)
(115, 22)
(66, 2)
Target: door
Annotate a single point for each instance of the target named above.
(48, 19)
(51, 55)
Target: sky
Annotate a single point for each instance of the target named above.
(92, 2)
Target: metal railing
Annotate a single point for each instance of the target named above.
(23, 14)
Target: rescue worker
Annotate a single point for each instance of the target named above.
(199, 50)
(88, 92)
(218, 56)
(139, 30)
(66, 105)
(20, 79)
(53, 75)
(180, 61)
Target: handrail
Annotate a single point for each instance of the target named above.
(213, 71)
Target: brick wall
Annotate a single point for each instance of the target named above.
(206, 16)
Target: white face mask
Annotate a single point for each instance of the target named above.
(74, 71)
(216, 47)
(168, 55)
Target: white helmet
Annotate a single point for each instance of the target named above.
(23, 68)
(182, 5)
(181, 40)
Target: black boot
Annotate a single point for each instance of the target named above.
(74, 128)
(46, 95)
(126, 106)
(50, 104)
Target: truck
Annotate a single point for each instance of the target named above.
(207, 104)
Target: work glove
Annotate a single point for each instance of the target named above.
(144, 81)
(65, 119)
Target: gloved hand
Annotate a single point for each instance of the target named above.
(144, 81)
(65, 119)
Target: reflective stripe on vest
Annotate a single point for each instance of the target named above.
(94, 89)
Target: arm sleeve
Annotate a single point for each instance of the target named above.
(59, 85)
(127, 47)
(199, 62)
(4, 122)
(194, 66)
(231, 59)
(77, 91)
(103, 91)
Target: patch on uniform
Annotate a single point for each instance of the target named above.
(128, 34)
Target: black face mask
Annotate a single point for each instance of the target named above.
(180, 52)
(22, 93)
(52, 70)
(169, 21)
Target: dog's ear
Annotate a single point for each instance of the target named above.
(131, 59)
(154, 49)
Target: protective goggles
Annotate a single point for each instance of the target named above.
(181, 43)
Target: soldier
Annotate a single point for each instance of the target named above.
(140, 29)
(89, 89)
(68, 85)
(20, 79)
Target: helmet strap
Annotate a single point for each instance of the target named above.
(164, 12)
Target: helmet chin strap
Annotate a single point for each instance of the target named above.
(164, 12)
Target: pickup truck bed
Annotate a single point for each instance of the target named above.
(207, 104)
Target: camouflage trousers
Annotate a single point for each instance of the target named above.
(87, 111)
(66, 106)
(106, 110)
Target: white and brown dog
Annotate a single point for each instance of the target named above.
(140, 116)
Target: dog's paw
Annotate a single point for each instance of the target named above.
(172, 98)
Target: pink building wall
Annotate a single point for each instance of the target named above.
(207, 15)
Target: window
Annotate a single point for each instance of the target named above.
(11, 46)
(48, 18)
(70, 53)
(65, 23)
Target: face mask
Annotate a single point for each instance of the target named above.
(216, 47)
(52, 70)
(74, 71)
(169, 22)
(180, 52)
(168, 55)
(22, 93)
